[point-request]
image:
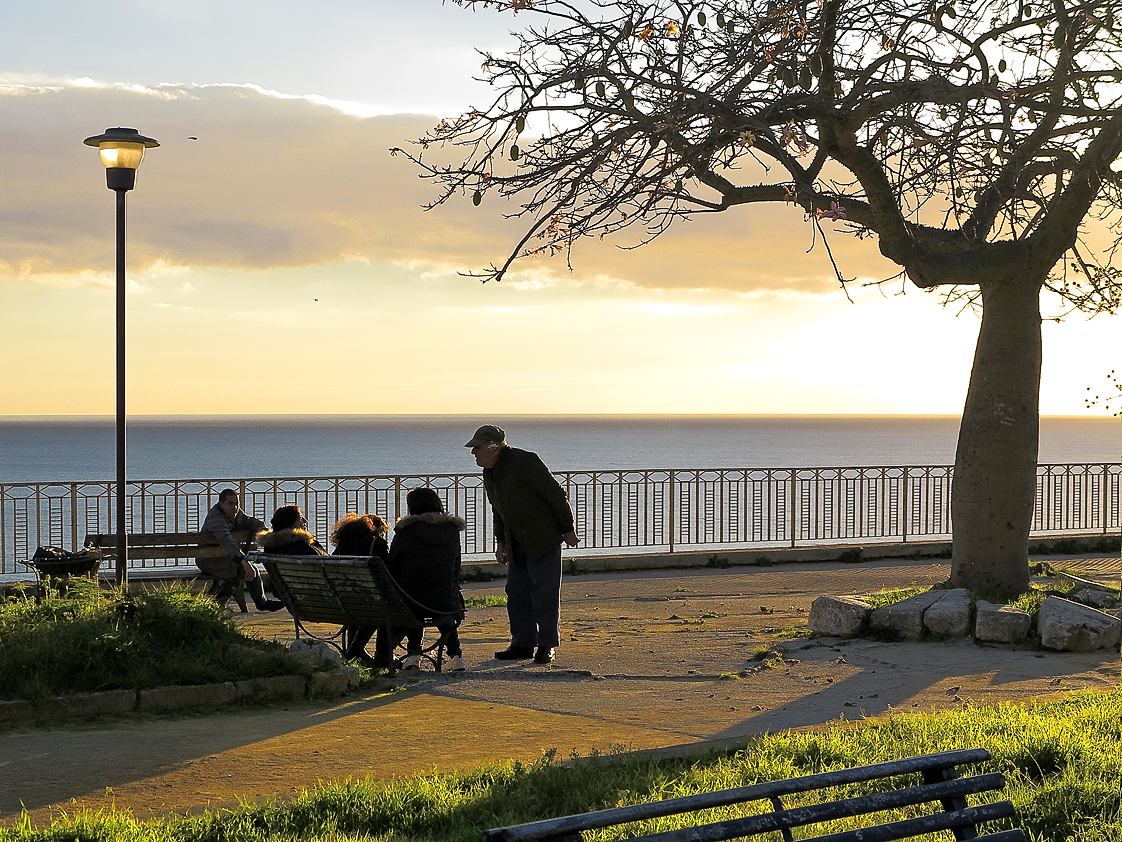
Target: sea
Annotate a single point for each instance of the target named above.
(81, 449)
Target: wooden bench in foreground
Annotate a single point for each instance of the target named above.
(149, 546)
(940, 785)
(348, 591)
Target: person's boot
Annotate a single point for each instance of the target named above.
(258, 594)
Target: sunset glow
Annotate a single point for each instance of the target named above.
(280, 261)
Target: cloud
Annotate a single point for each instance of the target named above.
(282, 181)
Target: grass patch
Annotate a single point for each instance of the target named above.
(489, 601)
(1061, 761)
(91, 640)
(887, 597)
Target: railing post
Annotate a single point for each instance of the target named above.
(73, 517)
(1104, 498)
(672, 509)
(4, 532)
(906, 502)
(791, 504)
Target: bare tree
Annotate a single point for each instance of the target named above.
(974, 139)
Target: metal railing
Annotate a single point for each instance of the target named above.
(616, 511)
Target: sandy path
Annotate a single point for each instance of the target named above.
(649, 663)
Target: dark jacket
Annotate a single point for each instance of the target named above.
(527, 502)
(220, 526)
(425, 559)
(291, 542)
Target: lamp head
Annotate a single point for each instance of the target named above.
(122, 150)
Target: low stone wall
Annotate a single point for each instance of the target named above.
(1063, 625)
(280, 688)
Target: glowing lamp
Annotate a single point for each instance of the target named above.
(122, 150)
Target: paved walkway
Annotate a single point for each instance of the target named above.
(653, 659)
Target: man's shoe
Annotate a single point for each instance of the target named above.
(515, 653)
(411, 662)
(270, 605)
(544, 655)
(456, 664)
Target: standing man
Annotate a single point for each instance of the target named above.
(231, 570)
(532, 517)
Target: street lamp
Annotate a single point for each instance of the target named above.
(122, 150)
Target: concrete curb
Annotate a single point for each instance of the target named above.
(179, 698)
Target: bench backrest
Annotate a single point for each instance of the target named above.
(345, 590)
(153, 545)
(940, 785)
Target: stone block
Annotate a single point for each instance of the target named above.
(15, 711)
(334, 682)
(1066, 580)
(107, 702)
(1001, 623)
(245, 654)
(950, 616)
(905, 618)
(1071, 627)
(1100, 599)
(838, 616)
(273, 689)
(182, 697)
(314, 653)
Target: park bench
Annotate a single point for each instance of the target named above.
(147, 546)
(940, 784)
(349, 591)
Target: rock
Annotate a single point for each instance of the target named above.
(334, 682)
(1066, 580)
(272, 689)
(314, 653)
(245, 654)
(1071, 627)
(838, 616)
(87, 704)
(1001, 623)
(905, 618)
(14, 711)
(1101, 599)
(950, 616)
(180, 697)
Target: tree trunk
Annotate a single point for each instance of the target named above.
(995, 465)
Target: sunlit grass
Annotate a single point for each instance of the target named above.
(487, 601)
(1061, 761)
(93, 639)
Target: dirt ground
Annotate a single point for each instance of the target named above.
(651, 660)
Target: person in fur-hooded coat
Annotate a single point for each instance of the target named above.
(289, 535)
(425, 561)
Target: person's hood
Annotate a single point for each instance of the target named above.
(270, 541)
(430, 520)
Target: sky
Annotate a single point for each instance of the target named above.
(282, 262)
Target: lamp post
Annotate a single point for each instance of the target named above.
(122, 150)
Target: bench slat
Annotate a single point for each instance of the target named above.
(908, 828)
(347, 590)
(723, 798)
(858, 806)
(156, 545)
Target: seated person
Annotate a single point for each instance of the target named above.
(363, 535)
(425, 561)
(233, 571)
(290, 535)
